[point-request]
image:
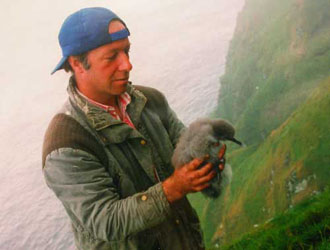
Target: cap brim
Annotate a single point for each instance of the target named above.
(59, 65)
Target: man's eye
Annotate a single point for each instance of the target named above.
(111, 58)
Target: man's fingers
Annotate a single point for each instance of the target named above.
(221, 156)
(204, 170)
(222, 164)
(206, 178)
(222, 151)
(201, 187)
(194, 164)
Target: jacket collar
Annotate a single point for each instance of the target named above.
(97, 117)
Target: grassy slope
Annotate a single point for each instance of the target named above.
(289, 166)
(279, 55)
(292, 164)
(280, 51)
(307, 226)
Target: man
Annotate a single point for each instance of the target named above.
(107, 153)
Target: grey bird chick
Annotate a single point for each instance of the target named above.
(204, 137)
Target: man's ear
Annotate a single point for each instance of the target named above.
(76, 65)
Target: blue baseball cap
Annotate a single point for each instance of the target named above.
(85, 30)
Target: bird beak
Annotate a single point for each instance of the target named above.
(236, 141)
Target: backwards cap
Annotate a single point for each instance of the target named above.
(85, 30)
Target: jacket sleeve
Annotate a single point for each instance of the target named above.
(176, 127)
(89, 195)
(172, 123)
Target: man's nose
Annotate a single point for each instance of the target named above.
(124, 63)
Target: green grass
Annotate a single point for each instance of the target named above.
(266, 177)
(277, 56)
(276, 92)
(307, 226)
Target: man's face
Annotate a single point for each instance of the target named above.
(109, 69)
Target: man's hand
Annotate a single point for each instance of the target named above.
(222, 158)
(188, 179)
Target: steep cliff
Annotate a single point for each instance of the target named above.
(279, 53)
(276, 91)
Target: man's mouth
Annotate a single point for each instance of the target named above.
(121, 80)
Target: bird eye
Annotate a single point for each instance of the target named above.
(216, 144)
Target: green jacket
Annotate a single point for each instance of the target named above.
(108, 175)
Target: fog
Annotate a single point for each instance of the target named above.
(178, 47)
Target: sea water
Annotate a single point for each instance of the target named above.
(178, 47)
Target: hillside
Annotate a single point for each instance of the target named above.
(291, 165)
(280, 51)
(276, 91)
(304, 227)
